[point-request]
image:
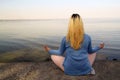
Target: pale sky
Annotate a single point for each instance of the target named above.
(57, 9)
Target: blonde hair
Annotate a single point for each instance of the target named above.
(75, 33)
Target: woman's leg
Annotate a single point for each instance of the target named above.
(58, 60)
(91, 58)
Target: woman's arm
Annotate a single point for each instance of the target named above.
(60, 51)
(95, 49)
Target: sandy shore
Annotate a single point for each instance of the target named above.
(105, 70)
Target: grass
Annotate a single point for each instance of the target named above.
(105, 70)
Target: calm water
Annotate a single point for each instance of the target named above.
(17, 34)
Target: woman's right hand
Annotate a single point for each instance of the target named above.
(46, 48)
(101, 45)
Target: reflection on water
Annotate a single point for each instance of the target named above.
(17, 34)
(32, 29)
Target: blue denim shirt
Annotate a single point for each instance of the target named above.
(76, 61)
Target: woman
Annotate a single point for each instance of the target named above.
(75, 55)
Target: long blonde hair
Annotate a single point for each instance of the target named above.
(75, 33)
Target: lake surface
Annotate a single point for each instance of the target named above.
(18, 34)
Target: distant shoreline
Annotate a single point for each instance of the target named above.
(29, 19)
(105, 19)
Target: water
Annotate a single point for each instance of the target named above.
(18, 34)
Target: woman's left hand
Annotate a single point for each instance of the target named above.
(101, 45)
(46, 48)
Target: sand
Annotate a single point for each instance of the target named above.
(47, 70)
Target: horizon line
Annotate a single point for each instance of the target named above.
(54, 19)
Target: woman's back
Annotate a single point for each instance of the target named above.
(76, 61)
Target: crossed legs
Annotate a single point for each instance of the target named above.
(91, 58)
(58, 60)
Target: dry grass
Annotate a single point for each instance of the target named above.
(105, 70)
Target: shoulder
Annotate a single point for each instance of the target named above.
(87, 36)
(64, 39)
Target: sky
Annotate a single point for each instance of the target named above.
(58, 9)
